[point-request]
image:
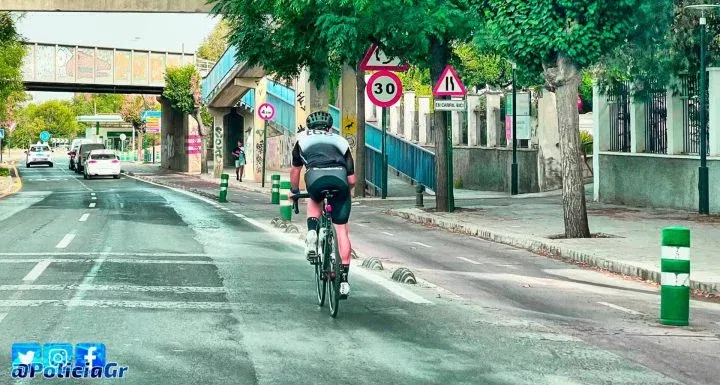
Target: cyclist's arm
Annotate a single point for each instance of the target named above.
(297, 164)
(350, 164)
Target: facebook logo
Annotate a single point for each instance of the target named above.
(91, 354)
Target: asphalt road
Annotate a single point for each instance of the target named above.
(186, 291)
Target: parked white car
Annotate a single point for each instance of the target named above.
(101, 163)
(38, 154)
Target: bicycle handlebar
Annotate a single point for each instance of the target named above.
(295, 199)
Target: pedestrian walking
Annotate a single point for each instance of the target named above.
(239, 154)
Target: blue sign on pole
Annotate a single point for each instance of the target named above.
(2, 133)
(44, 136)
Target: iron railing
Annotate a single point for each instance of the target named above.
(219, 72)
(656, 121)
(690, 93)
(619, 100)
(373, 169)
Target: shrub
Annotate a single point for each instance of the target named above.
(586, 143)
(4, 171)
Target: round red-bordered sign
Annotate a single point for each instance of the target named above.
(384, 88)
(266, 111)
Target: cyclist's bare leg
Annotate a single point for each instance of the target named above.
(314, 209)
(344, 243)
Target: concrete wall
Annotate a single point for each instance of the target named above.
(488, 169)
(279, 152)
(656, 181)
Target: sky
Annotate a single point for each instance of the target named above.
(142, 31)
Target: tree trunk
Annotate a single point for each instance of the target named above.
(563, 77)
(439, 55)
(360, 141)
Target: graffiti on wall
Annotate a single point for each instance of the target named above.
(169, 146)
(279, 151)
(219, 146)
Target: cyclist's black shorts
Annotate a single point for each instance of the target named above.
(318, 180)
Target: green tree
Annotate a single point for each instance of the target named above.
(182, 91)
(562, 38)
(131, 109)
(90, 104)
(215, 44)
(55, 116)
(12, 53)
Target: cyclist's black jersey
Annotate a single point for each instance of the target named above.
(322, 149)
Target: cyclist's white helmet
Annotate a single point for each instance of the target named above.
(319, 120)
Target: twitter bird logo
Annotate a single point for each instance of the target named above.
(26, 354)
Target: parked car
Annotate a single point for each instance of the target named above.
(38, 154)
(82, 153)
(101, 163)
(73, 149)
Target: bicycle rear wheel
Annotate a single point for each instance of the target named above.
(334, 272)
(320, 276)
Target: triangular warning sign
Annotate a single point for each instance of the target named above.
(449, 84)
(376, 60)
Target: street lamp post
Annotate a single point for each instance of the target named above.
(703, 178)
(514, 167)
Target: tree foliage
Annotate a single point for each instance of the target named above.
(133, 106)
(215, 44)
(55, 116)
(89, 104)
(12, 53)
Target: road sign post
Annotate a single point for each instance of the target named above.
(384, 89)
(266, 111)
(449, 84)
(2, 139)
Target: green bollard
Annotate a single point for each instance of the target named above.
(285, 203)
(675, 276)
(275, 195)
(224, 178)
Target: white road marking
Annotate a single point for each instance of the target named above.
(386, 233)
(361, 224)
(92, 253)
(2, 316)
(423, 245)
(92, 193)
(89, 277)
(127, 288)
(92, 205)
(65, 241)
(617, 307)
(113, 260)
(392, 286)
(469, 260)
(84, 217)
(93, 198)
(159, 305)
(37, 271)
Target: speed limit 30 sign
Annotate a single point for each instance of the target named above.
(384, 88)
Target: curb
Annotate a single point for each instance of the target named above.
(544, 246)
(16, 185)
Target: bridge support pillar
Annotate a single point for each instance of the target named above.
(309, 99)
(218, 137)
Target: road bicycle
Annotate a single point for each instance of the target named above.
(328, 268)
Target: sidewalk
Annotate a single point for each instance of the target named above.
(628, 239)
(628, 242)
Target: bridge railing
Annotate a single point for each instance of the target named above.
(219, 72)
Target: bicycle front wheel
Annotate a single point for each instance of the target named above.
(334, 272)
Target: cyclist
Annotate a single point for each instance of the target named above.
(329, 164)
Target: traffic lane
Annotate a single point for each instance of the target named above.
(156, 312)
(601, 308)
(277, 293)
(500, 277)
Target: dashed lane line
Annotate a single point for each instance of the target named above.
(469, 260)
(92, 205)
(65, 241)
(618, 307)
(37, 271)
(84, 217)
(423, 245)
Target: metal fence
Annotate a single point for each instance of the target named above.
(656, 121)
(373, 169)
(690, 93)
(619, 100)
